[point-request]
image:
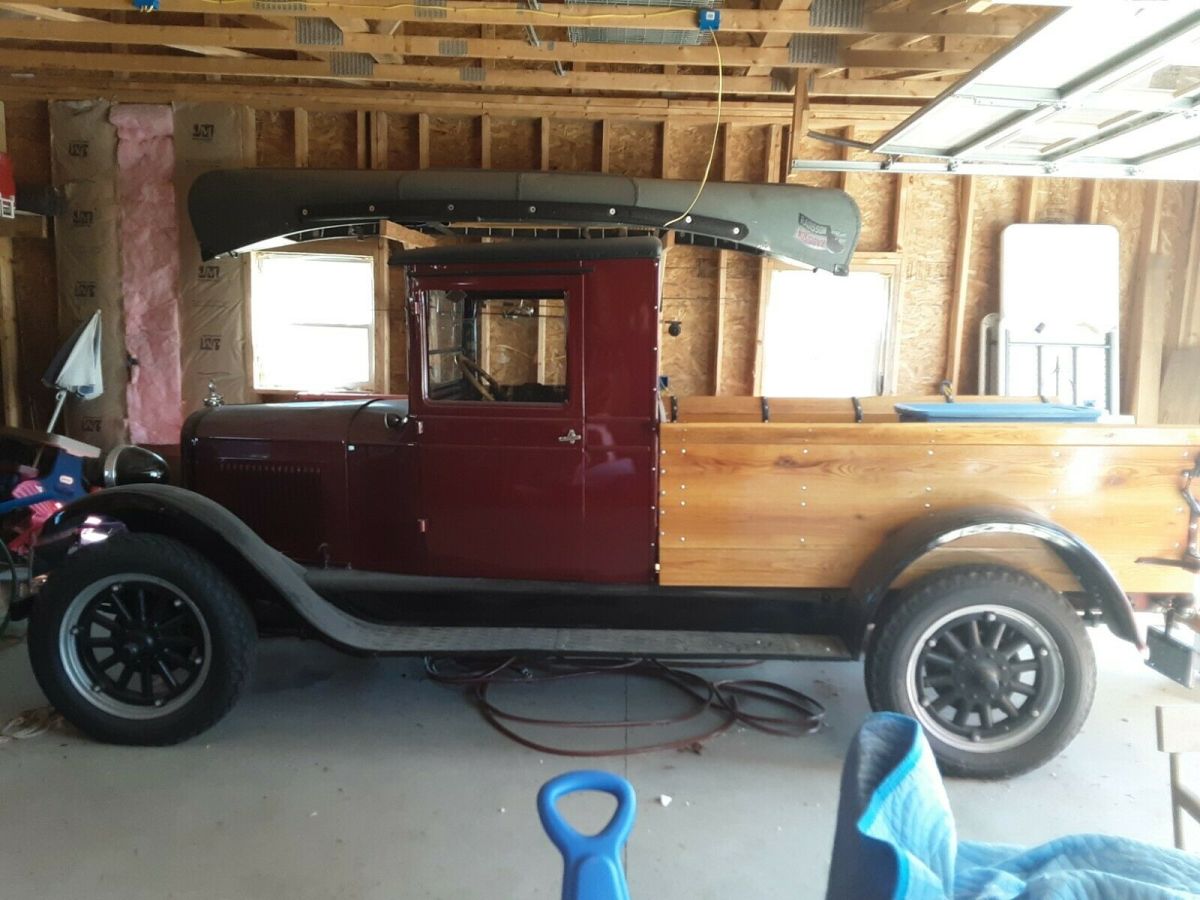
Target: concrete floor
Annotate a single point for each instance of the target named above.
(339, 777)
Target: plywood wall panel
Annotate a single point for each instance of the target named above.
(332, 140)
(515, 144)
(689, 296)
(747, 146)
(634, 148)
(928, 264)
(997, 205)
(274, 138)
(402, 142)
(574, 145)
(810, 149)
(740, 324)
(454, 142)
(1058, 200)
(688, 150)
(875, 195)
(1121, 204)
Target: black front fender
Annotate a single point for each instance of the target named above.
(910, 542)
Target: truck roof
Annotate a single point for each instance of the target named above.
(533, 250)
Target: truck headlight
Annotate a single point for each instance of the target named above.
(130, 464)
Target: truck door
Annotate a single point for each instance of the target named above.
(497, 395)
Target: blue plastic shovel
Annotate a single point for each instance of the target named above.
(591, 863)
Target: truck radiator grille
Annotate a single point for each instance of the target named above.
(280, 501)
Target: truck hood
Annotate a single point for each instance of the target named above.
(278, 422)
(243, 209)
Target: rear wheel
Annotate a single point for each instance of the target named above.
(141, 640)
(995, 665)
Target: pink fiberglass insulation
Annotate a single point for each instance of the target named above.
(149, 269)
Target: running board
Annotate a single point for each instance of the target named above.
(455, 640)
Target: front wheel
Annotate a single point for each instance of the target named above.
(141, 640)
(994, 664)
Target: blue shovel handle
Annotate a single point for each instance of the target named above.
(591, 864)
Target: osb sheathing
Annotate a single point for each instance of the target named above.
(740, 323)
(274, 139)
(516, 144)
(689, 297)
(453, 142)
(997, 205)
(634, 148)
(875, 195)
(746, 153)
(332, 140)
(932, 221)
(574, 145)
(689, 150)
(403, 151)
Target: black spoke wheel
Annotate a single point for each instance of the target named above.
(135, 645)
(985, 679)
(140, 640)
(994, 664)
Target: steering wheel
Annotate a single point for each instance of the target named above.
(479, 378)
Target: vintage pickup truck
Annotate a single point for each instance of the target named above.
(536, 493)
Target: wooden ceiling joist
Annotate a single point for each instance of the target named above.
(443, 76)
(343, 99)
(462, 48)
(787, 18)
(61, 15)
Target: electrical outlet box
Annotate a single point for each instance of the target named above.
(710, 20)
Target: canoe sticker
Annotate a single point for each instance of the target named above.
(813, 234)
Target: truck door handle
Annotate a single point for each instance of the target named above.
(570, 437)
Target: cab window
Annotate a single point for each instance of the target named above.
(496, 348)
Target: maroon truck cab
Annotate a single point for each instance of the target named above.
(553, 479)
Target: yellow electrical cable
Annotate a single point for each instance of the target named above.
(712, 152)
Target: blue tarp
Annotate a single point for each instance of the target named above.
(896, 839)
(995, 412)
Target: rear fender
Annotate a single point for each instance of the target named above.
(913, 540)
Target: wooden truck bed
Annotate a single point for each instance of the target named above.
(803, 505)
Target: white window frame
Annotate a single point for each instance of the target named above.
(889, 265)
(375, 249)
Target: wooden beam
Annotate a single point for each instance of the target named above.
(409, 237)
(444, 76)
(605, 144)
(9, 344)
(664, 156)
(1091, 200)
(1187, 324)
(25, 225)
(460, 103)
(1030, 188)
(722, 280)
(467, 48)
(544, 144)
(860, 88)
(962, 272)
(780, 23)
(379, 140)
(422, 140)
(485, 141)
(844, 177)
(361, 141)
(382, 356)
(300, 137)
(900, 211)
(774, 153)
(800, 115)
(53, 14)
(1147, 316)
